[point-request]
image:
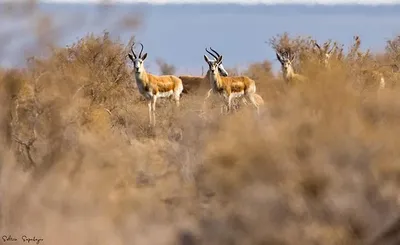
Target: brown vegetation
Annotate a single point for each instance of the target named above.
(320, 165)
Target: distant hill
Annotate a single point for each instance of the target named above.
(179, 33)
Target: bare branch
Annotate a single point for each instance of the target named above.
(28, 144)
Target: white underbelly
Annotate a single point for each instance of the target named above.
(238, 94)
(165, 94)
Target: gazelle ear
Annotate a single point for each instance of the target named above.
(144, 56)
(220, 60)
(279, 57)
(130, 56)
(206, 59)
(292, 57)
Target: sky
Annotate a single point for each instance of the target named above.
(227, 1)
(179, 35)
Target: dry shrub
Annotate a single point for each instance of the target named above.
(165, 68)
(302, 48)
(80, 165)
(393, 49)
(260, 72)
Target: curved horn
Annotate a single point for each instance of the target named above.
(285, 54)
(333, 47)
(317, 45)
(213, 55)
(215, 52)
(140, 54)
(133, 52)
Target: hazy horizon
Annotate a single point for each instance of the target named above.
(245, 2)
(179, 33)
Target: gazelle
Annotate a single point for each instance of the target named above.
(288, 73)
(192, 83)
(222, 72)
(376, 75)
(394, 70)
(373, 72)
(325, 53)
(231, 87)
(153, 87)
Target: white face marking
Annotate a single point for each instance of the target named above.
(138, 65)
(213, 66)
(220, 67)
(286, 64)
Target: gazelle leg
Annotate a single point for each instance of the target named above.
(230, 97)
(244, 101)
(153, 108)
(225, 104)
(254, 102)
(177, 97)
(208, 94)
(237, 102)
(150, 111)
(234, 103)
(223, 108)
(206, 98)
(177, 103)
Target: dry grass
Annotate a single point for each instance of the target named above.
(80, 165)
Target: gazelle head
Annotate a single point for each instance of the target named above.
(138, 61)
(213, 65)
(325, 52)
(286, 59)
(217, 56)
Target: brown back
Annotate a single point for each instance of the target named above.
(194, 85)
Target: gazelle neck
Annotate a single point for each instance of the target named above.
(141, 77)
(288, 73)
(215, 79)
